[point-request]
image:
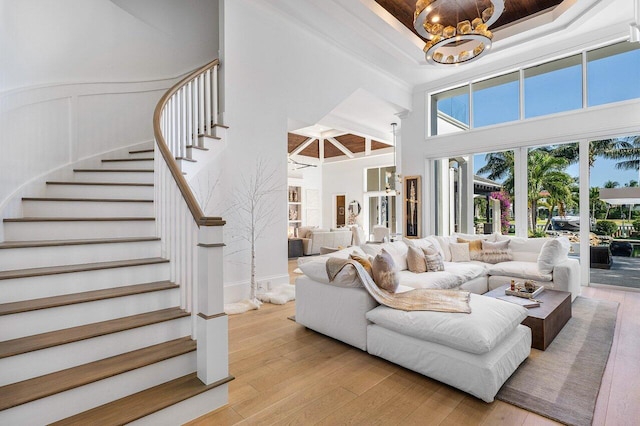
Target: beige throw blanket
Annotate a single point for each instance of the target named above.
(420, 299)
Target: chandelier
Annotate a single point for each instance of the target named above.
(457, 42)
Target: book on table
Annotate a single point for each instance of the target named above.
(526, 302)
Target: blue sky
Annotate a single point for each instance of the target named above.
(552, 88)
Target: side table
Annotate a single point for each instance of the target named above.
(295, 247)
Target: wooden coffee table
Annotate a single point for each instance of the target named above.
(547, 320)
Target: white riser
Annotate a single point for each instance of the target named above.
(38, 363)
(74, 401)
(86, 209)
(100, 191)
(187, 410)
(142, 164)
(18, 289)
(133, 177)
(141, 155)
(78, 230)
(38, 257)
(45, 320)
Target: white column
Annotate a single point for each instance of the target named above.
(585, 223)
(521, 185)
(212, 325)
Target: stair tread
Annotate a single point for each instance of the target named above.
(87, 296)
(138, 405)
(55, 243)
(74, 334)
(63, 269)
(140, 151)
(100, 200)
(115, 170)
(115, 160)
(74, 219)
(60, 381)
(202, 135)
(98, 183)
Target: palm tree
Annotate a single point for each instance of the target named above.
(500, 165)
(546, 173)
(631, 184)
(611, 184)
(629, 154)
(615, 149)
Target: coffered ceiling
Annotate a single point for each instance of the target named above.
(452, 11)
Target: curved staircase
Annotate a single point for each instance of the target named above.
(95, 327)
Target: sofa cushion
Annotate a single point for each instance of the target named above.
(454, 275)
(385, 272)
(526, 249)
(460, 252)
(444, 242)
(475, 247)
(552, 253)
(416, 261)
(397, 250)
(517, 269)
(490, 321)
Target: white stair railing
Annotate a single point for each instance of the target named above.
(191, 240)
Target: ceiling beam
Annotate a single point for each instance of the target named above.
(367, 146)
(341, 147)
(302, 146)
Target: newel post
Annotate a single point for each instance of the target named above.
(211, 323)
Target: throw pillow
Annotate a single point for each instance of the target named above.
(459, 252)
(552, 253)
(496, 255)
(500, 245)
(384, 272)
(364, 261)
(416, 260)
(475, 247)
(435, 263)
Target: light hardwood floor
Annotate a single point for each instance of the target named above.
(286, 374)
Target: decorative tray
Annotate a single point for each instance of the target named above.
(528, 290)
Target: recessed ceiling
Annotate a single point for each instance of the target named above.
(453, 11)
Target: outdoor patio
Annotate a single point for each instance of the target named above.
(624, 272)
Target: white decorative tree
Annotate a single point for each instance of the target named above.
(254, 208)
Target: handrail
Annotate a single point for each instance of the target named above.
(194, 207)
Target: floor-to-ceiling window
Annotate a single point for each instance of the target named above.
(614, 209)
(554, 180)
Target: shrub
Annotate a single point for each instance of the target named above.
(636, 225)
(606, 227)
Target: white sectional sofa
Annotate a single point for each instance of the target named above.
(345, 311)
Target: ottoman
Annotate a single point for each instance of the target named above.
(475, 352)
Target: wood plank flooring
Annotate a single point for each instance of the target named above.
(286, 374)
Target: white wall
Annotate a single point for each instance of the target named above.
(277, 71)
(45, 42)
